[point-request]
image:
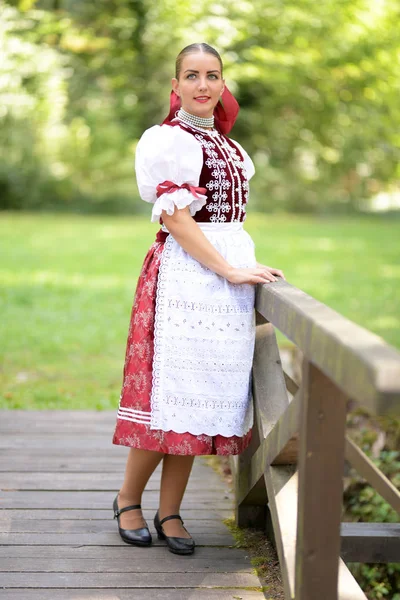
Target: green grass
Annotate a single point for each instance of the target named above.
(67, 285)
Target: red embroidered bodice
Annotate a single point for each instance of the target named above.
(223, 176)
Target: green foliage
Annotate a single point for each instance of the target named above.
(28, 118)
(367, 505)
(317, 82)
(363, 503)
(319, 111)
(67, 284)
(378, 580)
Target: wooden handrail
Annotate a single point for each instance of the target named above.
(291, 475)
(360, 362)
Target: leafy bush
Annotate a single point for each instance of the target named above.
(363, 504)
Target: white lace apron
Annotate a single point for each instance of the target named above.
(204, 340)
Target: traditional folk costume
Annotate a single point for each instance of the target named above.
(187, 374)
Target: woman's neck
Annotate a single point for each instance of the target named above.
(195, 120)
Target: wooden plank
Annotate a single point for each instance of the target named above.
(43, 464)
(282, 488)
(74, 460)
(367, 469)
(124, 565)
(100, 539)
(279, 436)
(253, 511)
(11, 515)
(281, 482)
(291, 385)
(50, 441)
(289, 453)
(281, 446)
(85, 500)
(68, 418)
(269, 389)
(65, 429)
(76, 548)
(321, 461)
(98, 526)
(114, 453)
(132, 594)
(64, 422)
(370, 542)
(126, 580)
(361, 363)
(69, 481)
(53, 464)
(271, 401)
(348, 586)
(117, 553)
(67, 464)
(100, 482)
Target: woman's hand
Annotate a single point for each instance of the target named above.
(272, 270)
(259, 274)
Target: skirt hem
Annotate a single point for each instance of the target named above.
(215, 449)
(138, 379)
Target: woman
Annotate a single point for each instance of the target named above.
(187, 375)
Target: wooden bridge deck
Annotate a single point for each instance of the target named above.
(59, 474)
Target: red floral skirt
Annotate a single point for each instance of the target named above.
(137, 379)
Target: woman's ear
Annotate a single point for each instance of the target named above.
(175, 86)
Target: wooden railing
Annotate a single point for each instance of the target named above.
(290, 479)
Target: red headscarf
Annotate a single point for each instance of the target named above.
(225, 113)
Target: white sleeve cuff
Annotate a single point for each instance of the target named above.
(179, 198)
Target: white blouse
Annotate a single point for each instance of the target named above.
(167, 153)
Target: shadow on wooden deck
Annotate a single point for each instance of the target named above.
(59, 474)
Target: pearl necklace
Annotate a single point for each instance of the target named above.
(194, 120)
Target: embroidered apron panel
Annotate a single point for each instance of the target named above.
(204, 340)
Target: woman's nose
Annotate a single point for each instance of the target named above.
(203, 84)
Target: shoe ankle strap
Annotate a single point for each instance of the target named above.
(171, 517)
(122, 510)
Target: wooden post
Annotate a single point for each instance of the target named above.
(321, 461)
(253, 512)
(270, 401)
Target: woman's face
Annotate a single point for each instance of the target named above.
(200, 83)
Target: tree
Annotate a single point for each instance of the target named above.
(317, 83)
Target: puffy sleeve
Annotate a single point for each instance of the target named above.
(248, 163)
(166, 153)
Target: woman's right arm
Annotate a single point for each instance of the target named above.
(190, 237)
(169, 155)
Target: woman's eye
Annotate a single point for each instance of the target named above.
(210, 76)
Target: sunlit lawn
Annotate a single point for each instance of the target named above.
(67, 284)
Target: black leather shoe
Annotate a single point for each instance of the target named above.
(137, 537)
(175, 544)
